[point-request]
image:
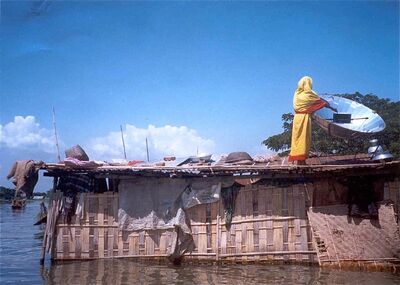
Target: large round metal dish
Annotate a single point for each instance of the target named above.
(364, 121)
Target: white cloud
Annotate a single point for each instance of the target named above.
(25, 132)
(166, 140)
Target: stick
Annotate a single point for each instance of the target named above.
(55, 134)
(123, 142)
(147, 150)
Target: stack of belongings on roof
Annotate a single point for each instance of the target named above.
(75, 184)
(239, 157)
(236, 158)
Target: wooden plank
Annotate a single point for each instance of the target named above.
(232, 242)
(131, 250)
(202, 234)
(291, 236)
(65, 241)
(208, 227)
(78, 244)
(310, 187)
(115, 207)
(91, 242)
(262, 213)
(115, 241)
(120, 243)
(111, 212)
(223, 241)
(304, 241)
(278, 236)
(243, 226)
(135, 240)
(85, 243)
(149, 244)
(219, 210)
(238, 216)
(276, 202)
(110, 242)
(250, 226)
(269, 223)
(72, 242)
(238, 239)
(106, 242)
(100, 220)
(163, 243)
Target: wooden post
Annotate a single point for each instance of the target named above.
(50, 212)
(217, 235)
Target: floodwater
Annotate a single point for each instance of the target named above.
(20, 246)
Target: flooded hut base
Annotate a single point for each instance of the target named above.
(293, 218)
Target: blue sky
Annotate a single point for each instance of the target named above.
(213, 76)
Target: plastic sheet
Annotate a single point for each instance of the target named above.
(152, 204)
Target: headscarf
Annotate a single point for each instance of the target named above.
(304, 97)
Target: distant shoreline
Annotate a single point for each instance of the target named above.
(7, 194)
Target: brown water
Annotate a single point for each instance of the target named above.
(20, 250)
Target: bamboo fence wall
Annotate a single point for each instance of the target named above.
(269, 224)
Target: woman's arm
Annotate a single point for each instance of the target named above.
(329, 106)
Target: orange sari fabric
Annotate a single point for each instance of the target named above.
(305, 102)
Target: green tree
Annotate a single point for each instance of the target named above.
(389, 138)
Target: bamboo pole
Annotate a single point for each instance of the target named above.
(55, 135)
(147, 150)
(123, 141)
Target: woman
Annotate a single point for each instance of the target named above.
(305, 102)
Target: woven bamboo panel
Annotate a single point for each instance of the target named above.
(269, 223)
(352, 238)
(97, 235)
(91, 236)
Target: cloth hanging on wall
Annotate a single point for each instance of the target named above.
(160, 203)
(25, 176)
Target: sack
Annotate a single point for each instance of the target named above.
(77, 152)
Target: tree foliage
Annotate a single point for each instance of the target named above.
(322, 142)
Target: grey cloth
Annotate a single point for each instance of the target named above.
(239, 157)
(153, 204)
(25, 176)
(157, 204)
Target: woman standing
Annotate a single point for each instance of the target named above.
(305, 102)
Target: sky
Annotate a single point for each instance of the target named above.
(192, 77)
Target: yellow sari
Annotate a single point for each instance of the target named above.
(305, 102)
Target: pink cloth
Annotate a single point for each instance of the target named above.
(76, 163)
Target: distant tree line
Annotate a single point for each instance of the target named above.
(6, 194)
(321, 142)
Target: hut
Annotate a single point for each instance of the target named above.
(340, 211)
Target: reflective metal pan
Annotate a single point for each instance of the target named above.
(364, 122)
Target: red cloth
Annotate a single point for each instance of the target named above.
(134, 162)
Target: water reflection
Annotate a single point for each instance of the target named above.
(123, 271)
(133, 272)
(20, 245)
